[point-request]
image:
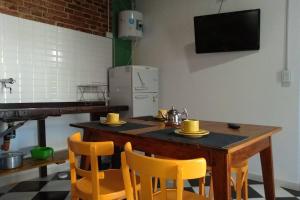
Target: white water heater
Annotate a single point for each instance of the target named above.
(130, 24)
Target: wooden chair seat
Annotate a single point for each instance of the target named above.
(111, 186)
(171, 195)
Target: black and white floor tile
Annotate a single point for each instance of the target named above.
(55, 188)
(256, 190)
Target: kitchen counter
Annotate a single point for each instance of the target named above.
(49, 104)
(10, 112)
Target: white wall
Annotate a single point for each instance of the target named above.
(48, 62)
(294, 53)
(241, 87)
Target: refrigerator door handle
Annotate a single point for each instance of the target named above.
(141, 96)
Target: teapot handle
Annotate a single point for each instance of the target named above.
(185, 113)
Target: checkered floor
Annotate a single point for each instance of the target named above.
(52, 187)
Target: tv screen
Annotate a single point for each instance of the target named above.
(234, 31)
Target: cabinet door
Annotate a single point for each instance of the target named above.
(145, 104)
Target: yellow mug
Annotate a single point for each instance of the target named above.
(162, 113)
(113, 118)
(190, 126)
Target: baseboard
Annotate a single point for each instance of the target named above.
(281, 183)
(31, 174)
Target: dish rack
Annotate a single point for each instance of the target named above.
(100, 90)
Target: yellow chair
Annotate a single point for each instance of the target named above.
(240, 183)
(148, 168)
(201, 180)
(94, 184)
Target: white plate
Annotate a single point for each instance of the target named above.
(158, 118)
(198, 134)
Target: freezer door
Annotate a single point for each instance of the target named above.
(145, 104)
(145, 79)
(120, 91)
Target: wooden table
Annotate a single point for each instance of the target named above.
(221, 159)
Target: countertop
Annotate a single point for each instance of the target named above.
(33, 111)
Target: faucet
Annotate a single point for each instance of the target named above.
(4, 83)
(105, 97)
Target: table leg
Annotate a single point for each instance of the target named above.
(85, 160)
(221, 176)
(116, 158)
(96, 116)
(42, 142)
(268, 172)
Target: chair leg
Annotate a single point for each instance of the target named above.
(239, 184)
(211, 189)
(155, 184)
(202, 186)
(245, 186)
(73, 197)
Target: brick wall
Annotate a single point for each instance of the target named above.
(84, 15)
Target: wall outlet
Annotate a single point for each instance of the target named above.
(286, 78)
(109, 35)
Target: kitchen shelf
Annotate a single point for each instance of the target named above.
(29, 163)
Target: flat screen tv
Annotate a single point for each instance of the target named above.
(234, 31)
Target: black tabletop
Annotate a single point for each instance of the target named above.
(215, 140)
(97, 125)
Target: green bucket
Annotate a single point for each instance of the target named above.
(42, 153)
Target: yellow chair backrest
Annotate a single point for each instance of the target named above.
(148, 168)
(92, 150)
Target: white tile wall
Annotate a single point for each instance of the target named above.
(48, 62)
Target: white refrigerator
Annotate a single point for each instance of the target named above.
(136, 86)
